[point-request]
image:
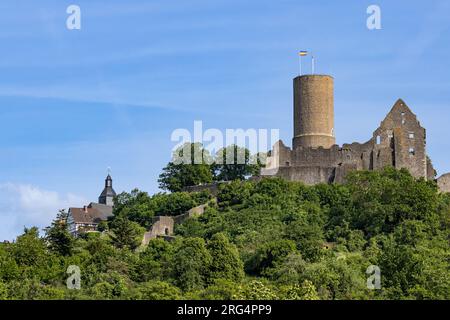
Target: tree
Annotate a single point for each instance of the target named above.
(58, 236)
(234, 163)
(173, 204)
(270, 255)
(382, 200)
(29, 249)
(305, 291)
(191, 263)
(136, 206)
(235, 192)
(126, 233)
(190, 166)
(226, 263)
(307, 232)
(154, 261)
(256, 290)
(159, 290)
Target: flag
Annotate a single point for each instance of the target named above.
(303, 53)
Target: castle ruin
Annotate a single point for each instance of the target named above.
(399, 141)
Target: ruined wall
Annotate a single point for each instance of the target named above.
(318, 165)
(308, 175)
(401, 142)
(162, 226)
(444, 182)
(213, 188)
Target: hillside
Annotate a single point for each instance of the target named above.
(270, 239)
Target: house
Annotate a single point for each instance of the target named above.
(87, 219)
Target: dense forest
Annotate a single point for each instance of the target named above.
(267, 239)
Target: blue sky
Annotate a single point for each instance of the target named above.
(74, 102)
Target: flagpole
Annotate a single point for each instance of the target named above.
(312, 64)
(300, 63)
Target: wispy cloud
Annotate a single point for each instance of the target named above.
(25, 205)
(434, 26)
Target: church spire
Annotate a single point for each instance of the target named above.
(108, 194)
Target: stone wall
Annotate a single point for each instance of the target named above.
(398, 142)
(444, 182)
(313, 111)
(213, 188)
(162, 226)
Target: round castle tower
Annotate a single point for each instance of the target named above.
(313, 111)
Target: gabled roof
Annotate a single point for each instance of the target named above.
(401, 106)
(92, 214)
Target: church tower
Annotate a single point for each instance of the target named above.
(108, 194)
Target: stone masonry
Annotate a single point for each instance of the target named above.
(399, 141)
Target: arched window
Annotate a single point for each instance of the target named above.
(378, 139)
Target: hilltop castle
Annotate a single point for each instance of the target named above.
(400, 141)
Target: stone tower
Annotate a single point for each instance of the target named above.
(108, 194)
(313, 112)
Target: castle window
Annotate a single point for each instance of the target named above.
(412, 152)
(403, 118)
(411, 135)
(378, 139)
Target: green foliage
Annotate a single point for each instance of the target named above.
(305, 291)
(176, 177)
(174, 204)
(159, 290)
(29, 249)
(270, 256)
(295, 241)
(154, 262)
(136, 206)
(58, 236)
(191, 264)
(256, 290)
(190, 166)
(126, 233)
(226, 263)
(382, 200)
(234, 163)
(139, 207)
